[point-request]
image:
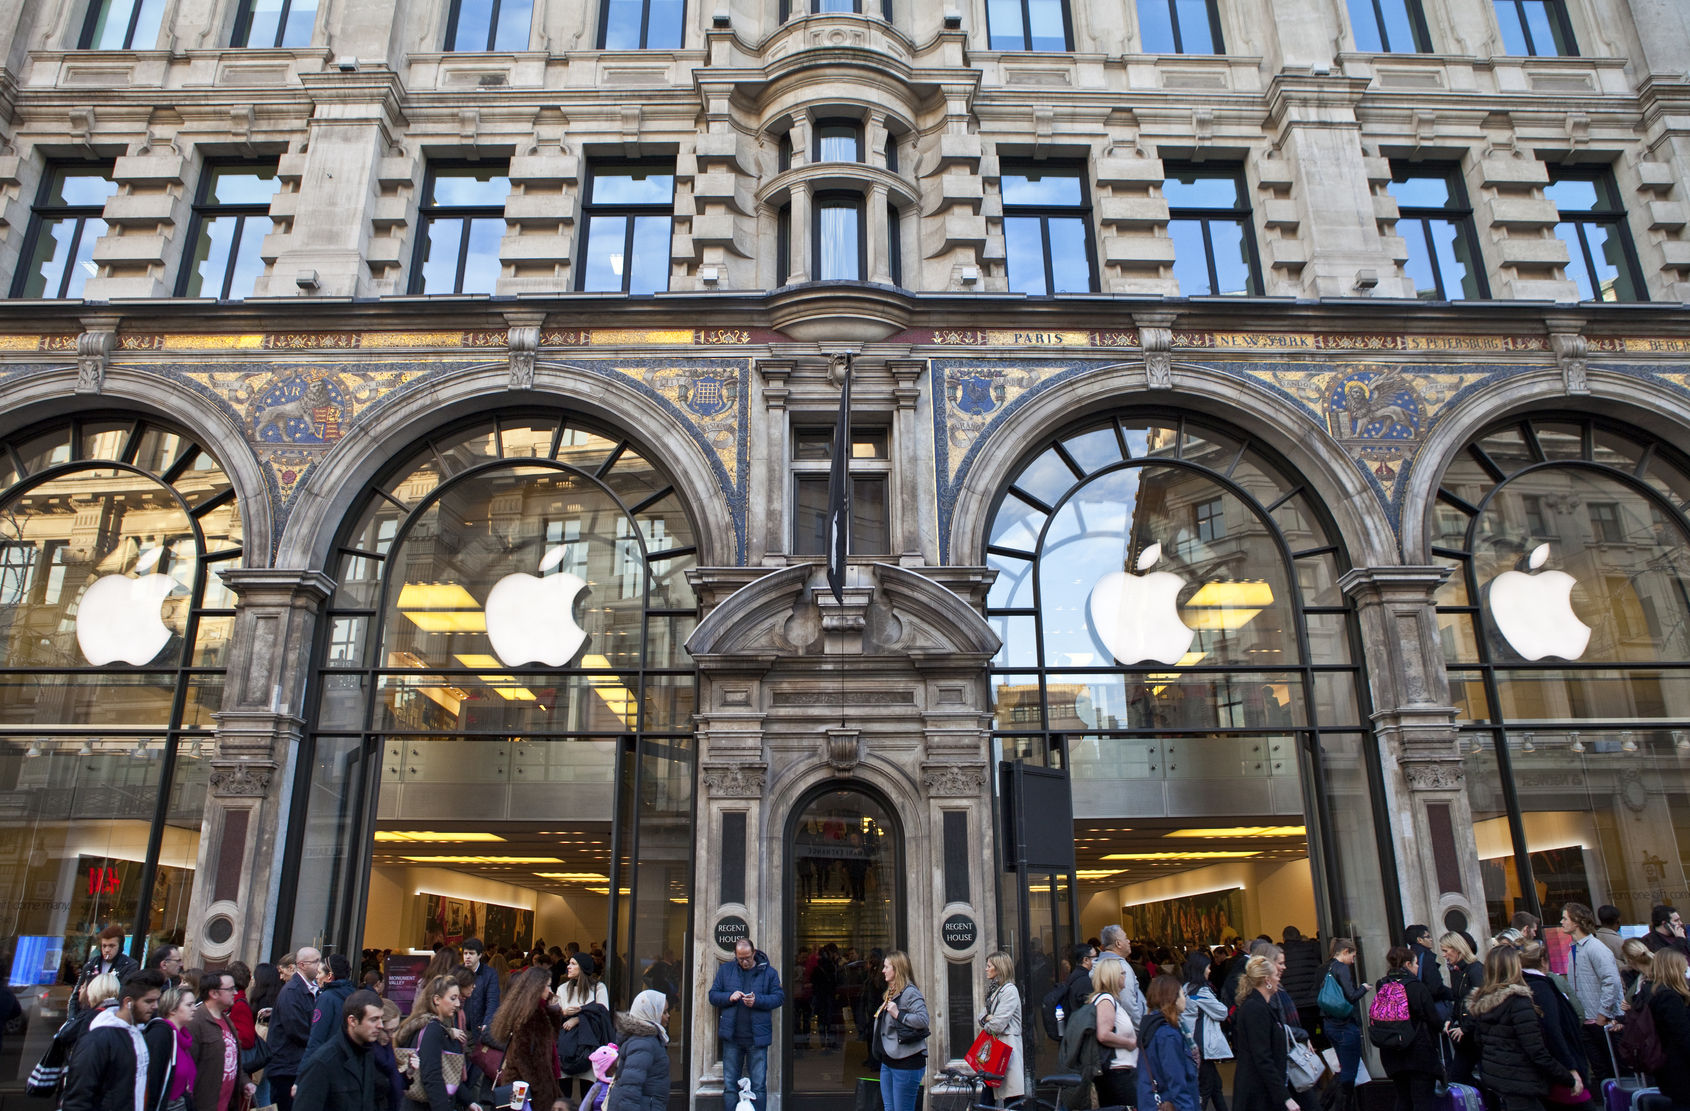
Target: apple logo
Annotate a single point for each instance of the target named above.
(1534, 613)
(1136, 616)
(531, 619)
(118, 617)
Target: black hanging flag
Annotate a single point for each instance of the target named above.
(839, 494)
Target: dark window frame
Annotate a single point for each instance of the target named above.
(783, 244)
(894, 243)
(1027, 29)
(205, 208)
(835, 123)
(1214, 10)
(1045, 213)
(1240, 214)
(628, 210)
(861, 471)
(1458, 211)
(85, 41)
(243, 27)
(645, 28)
(1560, 21)
(428, 214)
(456, 10)
(42, 211)
(838, 198)
(1416, 20)
(1613, 216)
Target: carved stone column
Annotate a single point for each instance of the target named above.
(915, 505)
(258, 733)
(1437, 857)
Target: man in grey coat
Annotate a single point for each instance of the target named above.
(1116, 947)
(1595, 981)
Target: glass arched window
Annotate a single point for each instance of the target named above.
(114, 626)
(1174, 635)
(504, 702)
(1566, 632)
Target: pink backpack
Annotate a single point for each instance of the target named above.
(1388, 1023)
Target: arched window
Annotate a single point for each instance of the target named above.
(1566, 631)
(115, 626)
(1175, 637)
(504, 703)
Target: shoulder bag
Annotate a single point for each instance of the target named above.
(1303, 1067)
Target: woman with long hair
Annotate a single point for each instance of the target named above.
(1201, 1023)
(1166, 1072)
(1260, 1040)
(1669, 1005)
(1556, 1018)
(1415, 1066)
(445, 958)
(1513, 1059)
(642, 1056)
(580, 987)
(901, 1027)
(428, 1030)
(1002, 1020)
(527, 1024)
(1466, 974)
(1115, 1033)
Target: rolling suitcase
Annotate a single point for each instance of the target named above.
(1455, 1097)
(1618, 1093)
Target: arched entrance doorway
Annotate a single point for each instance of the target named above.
(845, 909)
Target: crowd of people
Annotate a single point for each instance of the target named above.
(529, 1030)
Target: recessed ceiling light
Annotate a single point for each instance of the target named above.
(483, 860)
(1212, 854)
(1241, 831)
(417, 836)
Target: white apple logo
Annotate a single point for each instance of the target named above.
(532, 619)
(118, 618)
(1136, 616)
(1534, 613)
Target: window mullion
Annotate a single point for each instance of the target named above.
(70, 259)
(229, 263)
(1173, 21)
(464, 224)
(282, 22)
(645, 28)
(134, 24)
(628, 252)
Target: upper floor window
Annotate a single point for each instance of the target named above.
(1209, 222)
(1180, 27)
(1390, 26)
(1047, 230)
(122, 25)
(231, 219)
(1436, 222)
(1600, 256)
(839, 141)
(489, 24)
(59, 249)
(1535, 27)
(839, 237)
(275, 23)
(462, 222)
(789, 8)
(871, 470)
(630, 210)
(1028, 25)
(642, 24)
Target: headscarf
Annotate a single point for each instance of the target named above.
(648, 1010)
(603, 1058)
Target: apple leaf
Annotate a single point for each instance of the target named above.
(553, 558)
(1147, 558)
(1539, 556)
(149, 559)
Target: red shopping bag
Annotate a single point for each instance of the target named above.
(989, 1057)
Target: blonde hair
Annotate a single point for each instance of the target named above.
(99, 989)
(171, 998)
(1257, 972)
(1637, 955)
(1453, 940)
(1004, 964)
(903, 975)
(1107, 978)
(1669, 969)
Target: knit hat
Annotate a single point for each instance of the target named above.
(585, 961)
(603, 1059)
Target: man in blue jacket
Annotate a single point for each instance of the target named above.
(290, 1026)
(483, 1002)
(746, 991)
(326, 1019)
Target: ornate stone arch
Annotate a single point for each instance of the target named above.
(1640, 401)
(1275, 420)
(332, 487)
(37, 395)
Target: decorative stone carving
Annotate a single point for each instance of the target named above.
(844, 749)
(1433, 775)
(735, 781)
(1156, 336)
(523, 341)
(234, 781)
(93, 348)
(1572, 356)
(953, 780)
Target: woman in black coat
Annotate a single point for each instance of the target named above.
(1563, 1035)
(1466, 975)
(1669, 1003)
(642, 1062)
(1517, 1067)
(1259, 1042)
(1415, 1067)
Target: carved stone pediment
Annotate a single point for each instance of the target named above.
(735, 781)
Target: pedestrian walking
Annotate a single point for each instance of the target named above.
(1466, 975)
(1117, 946)
(1343, 1018)
(1167, 1074)
(1002, 1020)
(1516, 1065)
(746, 993)
(220, 1082)
(901, 1026)
(108, 1067)
(642, 1056)
(290, 1026)
(170, 1066)
(1203, 1023)
(481, 1006)
(1415, 1066)
(112, 960)
(1594, 978)
(331, 997)
(1260, 1042)
(1669, 1005)
(584, 1002)
(1117, 1035)
(527, 1024)
(1562, 1035)
(432, 1032)
(342, 1074)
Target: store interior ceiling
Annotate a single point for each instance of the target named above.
(1112, 852)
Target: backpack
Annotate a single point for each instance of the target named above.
(1388, 1022)
(1047, 1010)
(1640, 1044)
(1081, 1052)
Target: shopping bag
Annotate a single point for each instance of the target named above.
(989, 1057)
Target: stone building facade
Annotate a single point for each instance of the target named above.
(328, 319)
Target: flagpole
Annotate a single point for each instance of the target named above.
(839, 509)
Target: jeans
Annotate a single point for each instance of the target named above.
(281, 1089)
(1346, 1039)
(900, 1087)
(745, 1060)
